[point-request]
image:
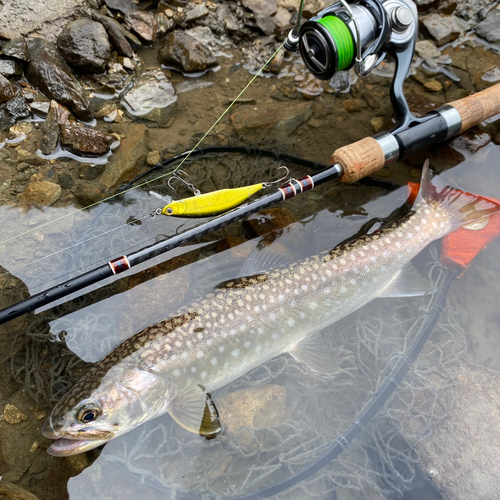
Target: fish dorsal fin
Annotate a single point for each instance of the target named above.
(243, 282)
(188, 408)
(315, 354)
(264, 259)
(210, 424)
(407, 283)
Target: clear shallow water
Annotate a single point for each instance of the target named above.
(160, 460)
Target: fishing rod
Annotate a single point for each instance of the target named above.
(347, 34)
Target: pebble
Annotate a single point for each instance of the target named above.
(43, 193)
(433, 85)
(153, 157)
(13, 415)
(352, 105)
(377, 123)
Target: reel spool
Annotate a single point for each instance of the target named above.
(360, 34)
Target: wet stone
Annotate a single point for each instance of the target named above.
(116, 34)
(143, 24)
(11, 111)
(152, 97)
(489, 29)
(153, 157)
(85, 140)
(272, 219)
(9, 491)
(377, 123)
(40, 194)
(197, 12)
(352, 105)
(48, 71)
(443, 29)
(10, 68)
(65, 180)
(50, 132)
(87, 192)
(426, 49)
(7, 90)
(16, 48)
(185, 53)
(13, 415)
(433, 85)
(122, 6)
(261, 8)
(85, 46)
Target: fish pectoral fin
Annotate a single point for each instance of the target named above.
(264, 259)
(407, 283)
(314, 352)
(188, 408)
(210, 424)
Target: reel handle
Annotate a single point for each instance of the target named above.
(370, 154)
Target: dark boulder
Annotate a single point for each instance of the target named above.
(85, 46)
(48, 71)
(7, 90)
(143, 24)
(85, 140)
(182, 51)
(16, 48)
(122, 6)
(116, 34)
(10, 69)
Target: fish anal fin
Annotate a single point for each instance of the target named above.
(188, 408)
(315, 354)
(407, 283)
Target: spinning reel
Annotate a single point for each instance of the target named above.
(359, 34)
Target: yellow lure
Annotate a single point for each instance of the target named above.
(205, 205)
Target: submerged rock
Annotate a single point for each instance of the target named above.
(9, 491)
(261, 8)
(273, 120)
(489, 29)
(129, 159)
(13, 110)
(41, 193)
(48, 71)
(13, 415)
(152, 97)
(16, 48)
(122, 6)
(143, 24)
(116, 34)
(85, 140)
(85, 46)
(50, 132)
(184, 52)
(7, 90)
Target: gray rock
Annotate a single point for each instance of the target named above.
(40, 108)
(65, 180)
(85, 46)
(198, 12)
(50, 132)
(48, 71)
(10, 68)
(122, 6)
(164, 23)
(116, 33)
(7, 90)
(184, 52)
(489, 29)
(427, 49)
(13, 110)
(46, 17)
(143, 24)
(265, 24)
(85, 140)
(261, 8)
(152, 97)
(443, 29)
(16, 48)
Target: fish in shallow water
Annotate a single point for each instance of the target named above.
(170, 367)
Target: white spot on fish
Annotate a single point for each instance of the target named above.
(213, 361)
(281, 296)
(193, 369)
(275, 336)
(247, 344)
(203, 375)
(343, 289)
(235, 353)
(230, 316)
(256, 309)
(222, 348)
(291, 322)
(176, 372)
(305, 288)
(313, 305)
(200, 354)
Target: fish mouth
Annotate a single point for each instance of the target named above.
(82, 435)
(63, 447)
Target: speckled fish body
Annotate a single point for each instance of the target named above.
(246, 322)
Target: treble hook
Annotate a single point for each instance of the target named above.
(189, 185)
(279, 181)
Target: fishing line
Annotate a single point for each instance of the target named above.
(161, 176)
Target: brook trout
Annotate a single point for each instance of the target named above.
(171, 366)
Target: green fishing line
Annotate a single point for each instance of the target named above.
(342, 38)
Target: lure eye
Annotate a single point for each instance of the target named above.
(88, 413)
(170, 211)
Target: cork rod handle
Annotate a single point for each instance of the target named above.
(359, 159)
(478, 107)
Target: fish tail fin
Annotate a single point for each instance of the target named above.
(462, 208)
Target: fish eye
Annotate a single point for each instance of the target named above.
(170, 211)
(88, 413)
